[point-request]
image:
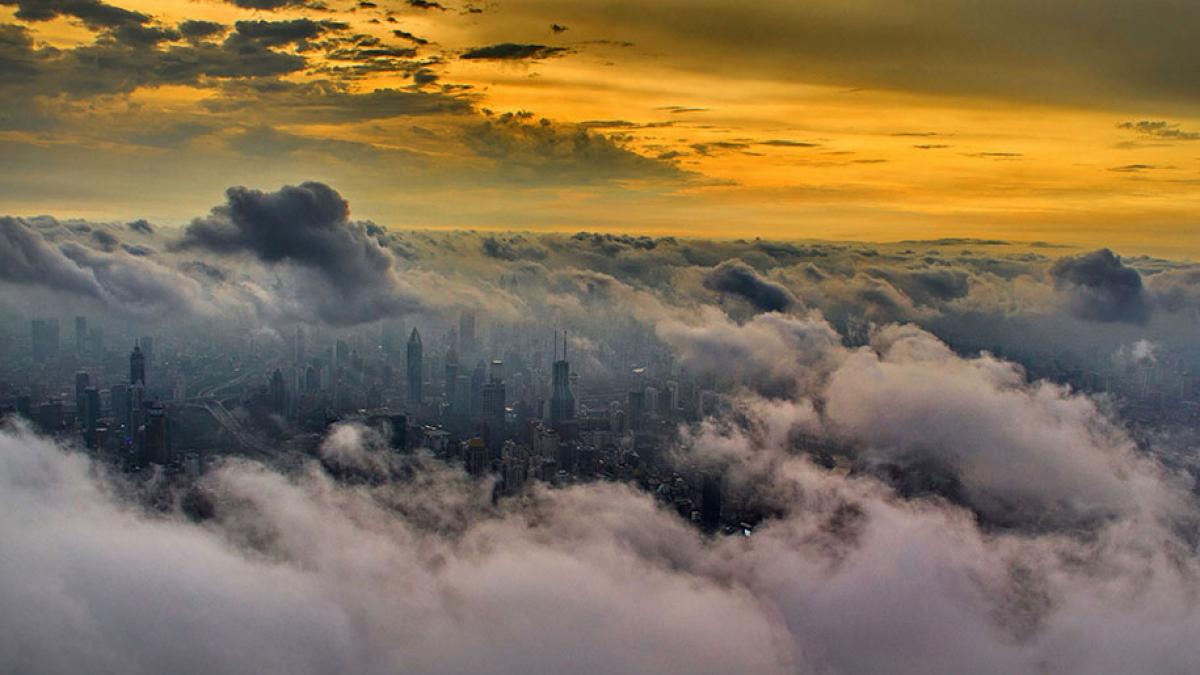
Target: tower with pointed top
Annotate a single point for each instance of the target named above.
(562, 400)
(416, 367)
(137, 366)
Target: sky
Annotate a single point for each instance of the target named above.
(1074, 123)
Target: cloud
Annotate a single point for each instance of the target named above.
(737, 278)
(308, 226)
(511, 51)
(1160, 129)
(1101, 287)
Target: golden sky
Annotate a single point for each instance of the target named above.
(1071, 122)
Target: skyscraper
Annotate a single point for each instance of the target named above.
(562, 401)
(43, 334)
(278, 394)
(416, 368)
(81, 385)
(81, 335)
(137, 366)
(156, 446)
(91, 415)
(466, 335)
(451, 375)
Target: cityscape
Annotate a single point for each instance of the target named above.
(594, 336)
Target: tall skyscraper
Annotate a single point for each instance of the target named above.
(81, 385)
(137, 366)
(43, 334)
(416, 368)
(451, 375)
(120, 404)
(466, 335)
(156, 447)
(278, 394)
(81, 335)
(562, 401)
(91, 416)
(710, 502)
(148, 351)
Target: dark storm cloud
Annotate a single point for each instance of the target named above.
(512, 51)
(737, 278)
(1101, 287)
(307, 226)
(425, 4)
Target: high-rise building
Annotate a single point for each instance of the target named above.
(91, 416)
(148, 350)
(300, 348)
(156, 446)
(416, 368)
(81, 335)
(562, 401)
(451, 375)
(81, 385)
(493, 400)
(137, 366)
(278, 394)
(710, 502)
(120, 404)
(466, 335)
(43, 335)
(635, 410)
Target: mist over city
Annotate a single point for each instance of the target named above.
(410, 337)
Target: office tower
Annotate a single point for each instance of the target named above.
(25, 406)
(392, 337)
(156, 447)
(478, 379)
(476, 456)
(81, 335)
(137, 366)
(342, 354)
(120, 404)
(43, 335)
(634, 411)
(81, 385)
(416, 367)
(312, 380)
(562, 401)
(710, 502)
(451, 375)
(466, 335)
(50, 416)
(300, 346)
(496, 371)
(278, 394)
(148, 351)
(493, 413)
(91, 416)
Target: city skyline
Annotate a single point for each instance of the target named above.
(673, 338)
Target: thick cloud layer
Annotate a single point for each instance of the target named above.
(416, 569)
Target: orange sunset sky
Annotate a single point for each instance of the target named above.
(1067, 122)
